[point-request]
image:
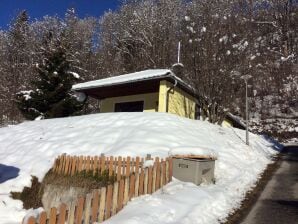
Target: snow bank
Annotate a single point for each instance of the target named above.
(32, 213)
(31, 148)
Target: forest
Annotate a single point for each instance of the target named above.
(223, 42)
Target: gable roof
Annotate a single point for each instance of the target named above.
(150, 74)
(236, 121)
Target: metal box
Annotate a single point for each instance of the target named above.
(195, 170)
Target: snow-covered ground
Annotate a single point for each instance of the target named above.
(31, 147)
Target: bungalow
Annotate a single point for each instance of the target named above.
(155, 90)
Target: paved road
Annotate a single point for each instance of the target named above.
(278, 203)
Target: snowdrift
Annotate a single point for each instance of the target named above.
(31, 147)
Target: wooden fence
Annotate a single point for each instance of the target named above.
(134, 180)
(121, 166)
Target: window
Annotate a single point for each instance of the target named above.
(137, 106)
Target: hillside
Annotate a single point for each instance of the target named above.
(31, 147)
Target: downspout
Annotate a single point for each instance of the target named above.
(168, 94)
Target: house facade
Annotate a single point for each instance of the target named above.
(155, 90)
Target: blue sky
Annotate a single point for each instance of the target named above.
(39, 8)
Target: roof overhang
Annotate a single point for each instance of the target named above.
(124, 87)
(236, 122)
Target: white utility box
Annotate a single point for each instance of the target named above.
(194, 169)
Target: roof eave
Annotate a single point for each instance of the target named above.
(122, 83)
(167, 75)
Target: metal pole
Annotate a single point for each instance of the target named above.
(179, 47)
(246, 111)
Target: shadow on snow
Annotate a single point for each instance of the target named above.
(8, 172)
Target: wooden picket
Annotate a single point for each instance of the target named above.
(43, 218)
(109, 202)
(95, 204)
(132, 180)
(62, 213)
(70, 165)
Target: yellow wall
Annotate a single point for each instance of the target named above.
(180, 102)
(226, 123)
(150, 102)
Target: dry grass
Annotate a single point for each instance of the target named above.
(84, 179)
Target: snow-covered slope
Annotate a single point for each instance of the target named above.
(31, 148)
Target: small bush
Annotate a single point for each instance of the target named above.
(82, 179)
(102, 178)
(30, 196)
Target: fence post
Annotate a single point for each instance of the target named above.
(61, 165)
(132, 167)
(170, 168)
(119, 165)
(95, 165)
(111, 162)
(71, 213)
(146, 181)
(120, 195)
(131, 186)
(137, 177)
(102, 163)
(141, 180)
(115, 198)
(150, 179)
(163, 172)
(31, 220)
(87, 208)
(79, 211)
(62, 214)
(126, 191)
(66, 165)
(137, 165)
(53, 216)
(167, 171)
(157, 182)
(43, 218)
(154, 176)
(87, 164)
(95, 203)
(80, 164)
(73, 166)
(109, 202)
(127, 166)
(102, 204)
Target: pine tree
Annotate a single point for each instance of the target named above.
(17, 61)
(52, 96)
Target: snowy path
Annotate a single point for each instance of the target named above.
(278, 202)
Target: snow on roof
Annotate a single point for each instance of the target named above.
(128, 78)
(236, 119)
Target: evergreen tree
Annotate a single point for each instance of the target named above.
(52, 97)
(17, 64)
